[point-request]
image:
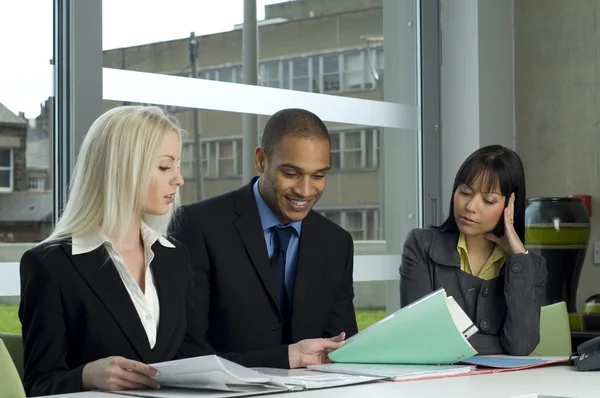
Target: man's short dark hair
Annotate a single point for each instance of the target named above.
(295, 122)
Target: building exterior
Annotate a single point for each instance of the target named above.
(25, 209)
(308, 45)
(13, 145)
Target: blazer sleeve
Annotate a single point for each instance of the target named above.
(343, 317)
(415, 278)
(187, 230)
(45, 341)
(524, 287)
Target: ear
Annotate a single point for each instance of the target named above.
(260, 158)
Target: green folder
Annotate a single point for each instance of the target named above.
(431, 331)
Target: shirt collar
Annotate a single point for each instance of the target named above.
(268, 219)
(87, 242)
(496, 255)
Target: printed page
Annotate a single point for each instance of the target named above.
(213, 373)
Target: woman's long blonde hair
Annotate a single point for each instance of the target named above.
(113, 170)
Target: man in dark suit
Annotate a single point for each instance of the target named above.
(274, 277)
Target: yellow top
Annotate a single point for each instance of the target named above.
(491, 268)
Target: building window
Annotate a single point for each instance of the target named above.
(222, 158)
(354, 71)
(225, 75)
(300, 75)
(6, 170)
(230, 74)
(270, 76)
(36, 183)
(362, 224)
(330, 73)
(339, 71)
(355, 149)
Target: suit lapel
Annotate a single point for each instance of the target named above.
(100, 273)
(166, 289)
(249, 228)
(309, 271)
(443, 248)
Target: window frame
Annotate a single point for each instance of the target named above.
(11, 171)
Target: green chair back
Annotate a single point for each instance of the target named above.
(14, 345)
(555, 331)
(10, 381)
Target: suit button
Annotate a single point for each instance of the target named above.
(275, 327)
(484, 325)
(516, 268)
(485, 290)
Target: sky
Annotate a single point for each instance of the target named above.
(26, 37)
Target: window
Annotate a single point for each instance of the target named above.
(362, 224)
(36, 183)
(6, 170)
(336, 162)
(225, 75)
(354, 149)
(230, 74)
(354, 67)
(331, 73)
(222, 158)
(270, 74)
(300, 80)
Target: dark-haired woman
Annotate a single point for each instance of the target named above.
(477, 255)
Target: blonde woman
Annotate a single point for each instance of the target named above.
(107, 293)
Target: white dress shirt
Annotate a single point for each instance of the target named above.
(146, 304)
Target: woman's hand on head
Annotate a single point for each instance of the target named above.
(510, 241)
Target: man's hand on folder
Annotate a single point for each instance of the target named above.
(313, 351)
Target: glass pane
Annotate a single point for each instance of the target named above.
(352, 140)
(353, 70)
(26, 134)
(272, 70)
(286, 74)
(300, 67)
(239, 155)
(226, 159)
(331, 64)
(354, 220)
(331, 73)
(316, 77)
(5, 158)
(226, 75)
(371, 143)
(5, 179)
(300, 74)
(335, 161)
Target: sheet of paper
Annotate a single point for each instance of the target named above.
(394, 372)
(310, 379)
(212, 372)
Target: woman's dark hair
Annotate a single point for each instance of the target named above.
(493, 166)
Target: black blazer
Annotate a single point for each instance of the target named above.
(75, 310)
(235, 285)
(506, 309)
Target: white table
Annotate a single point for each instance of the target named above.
(556, 381)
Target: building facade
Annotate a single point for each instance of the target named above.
(323, 46)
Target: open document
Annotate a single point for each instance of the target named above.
(214, 373)
(431, 331)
